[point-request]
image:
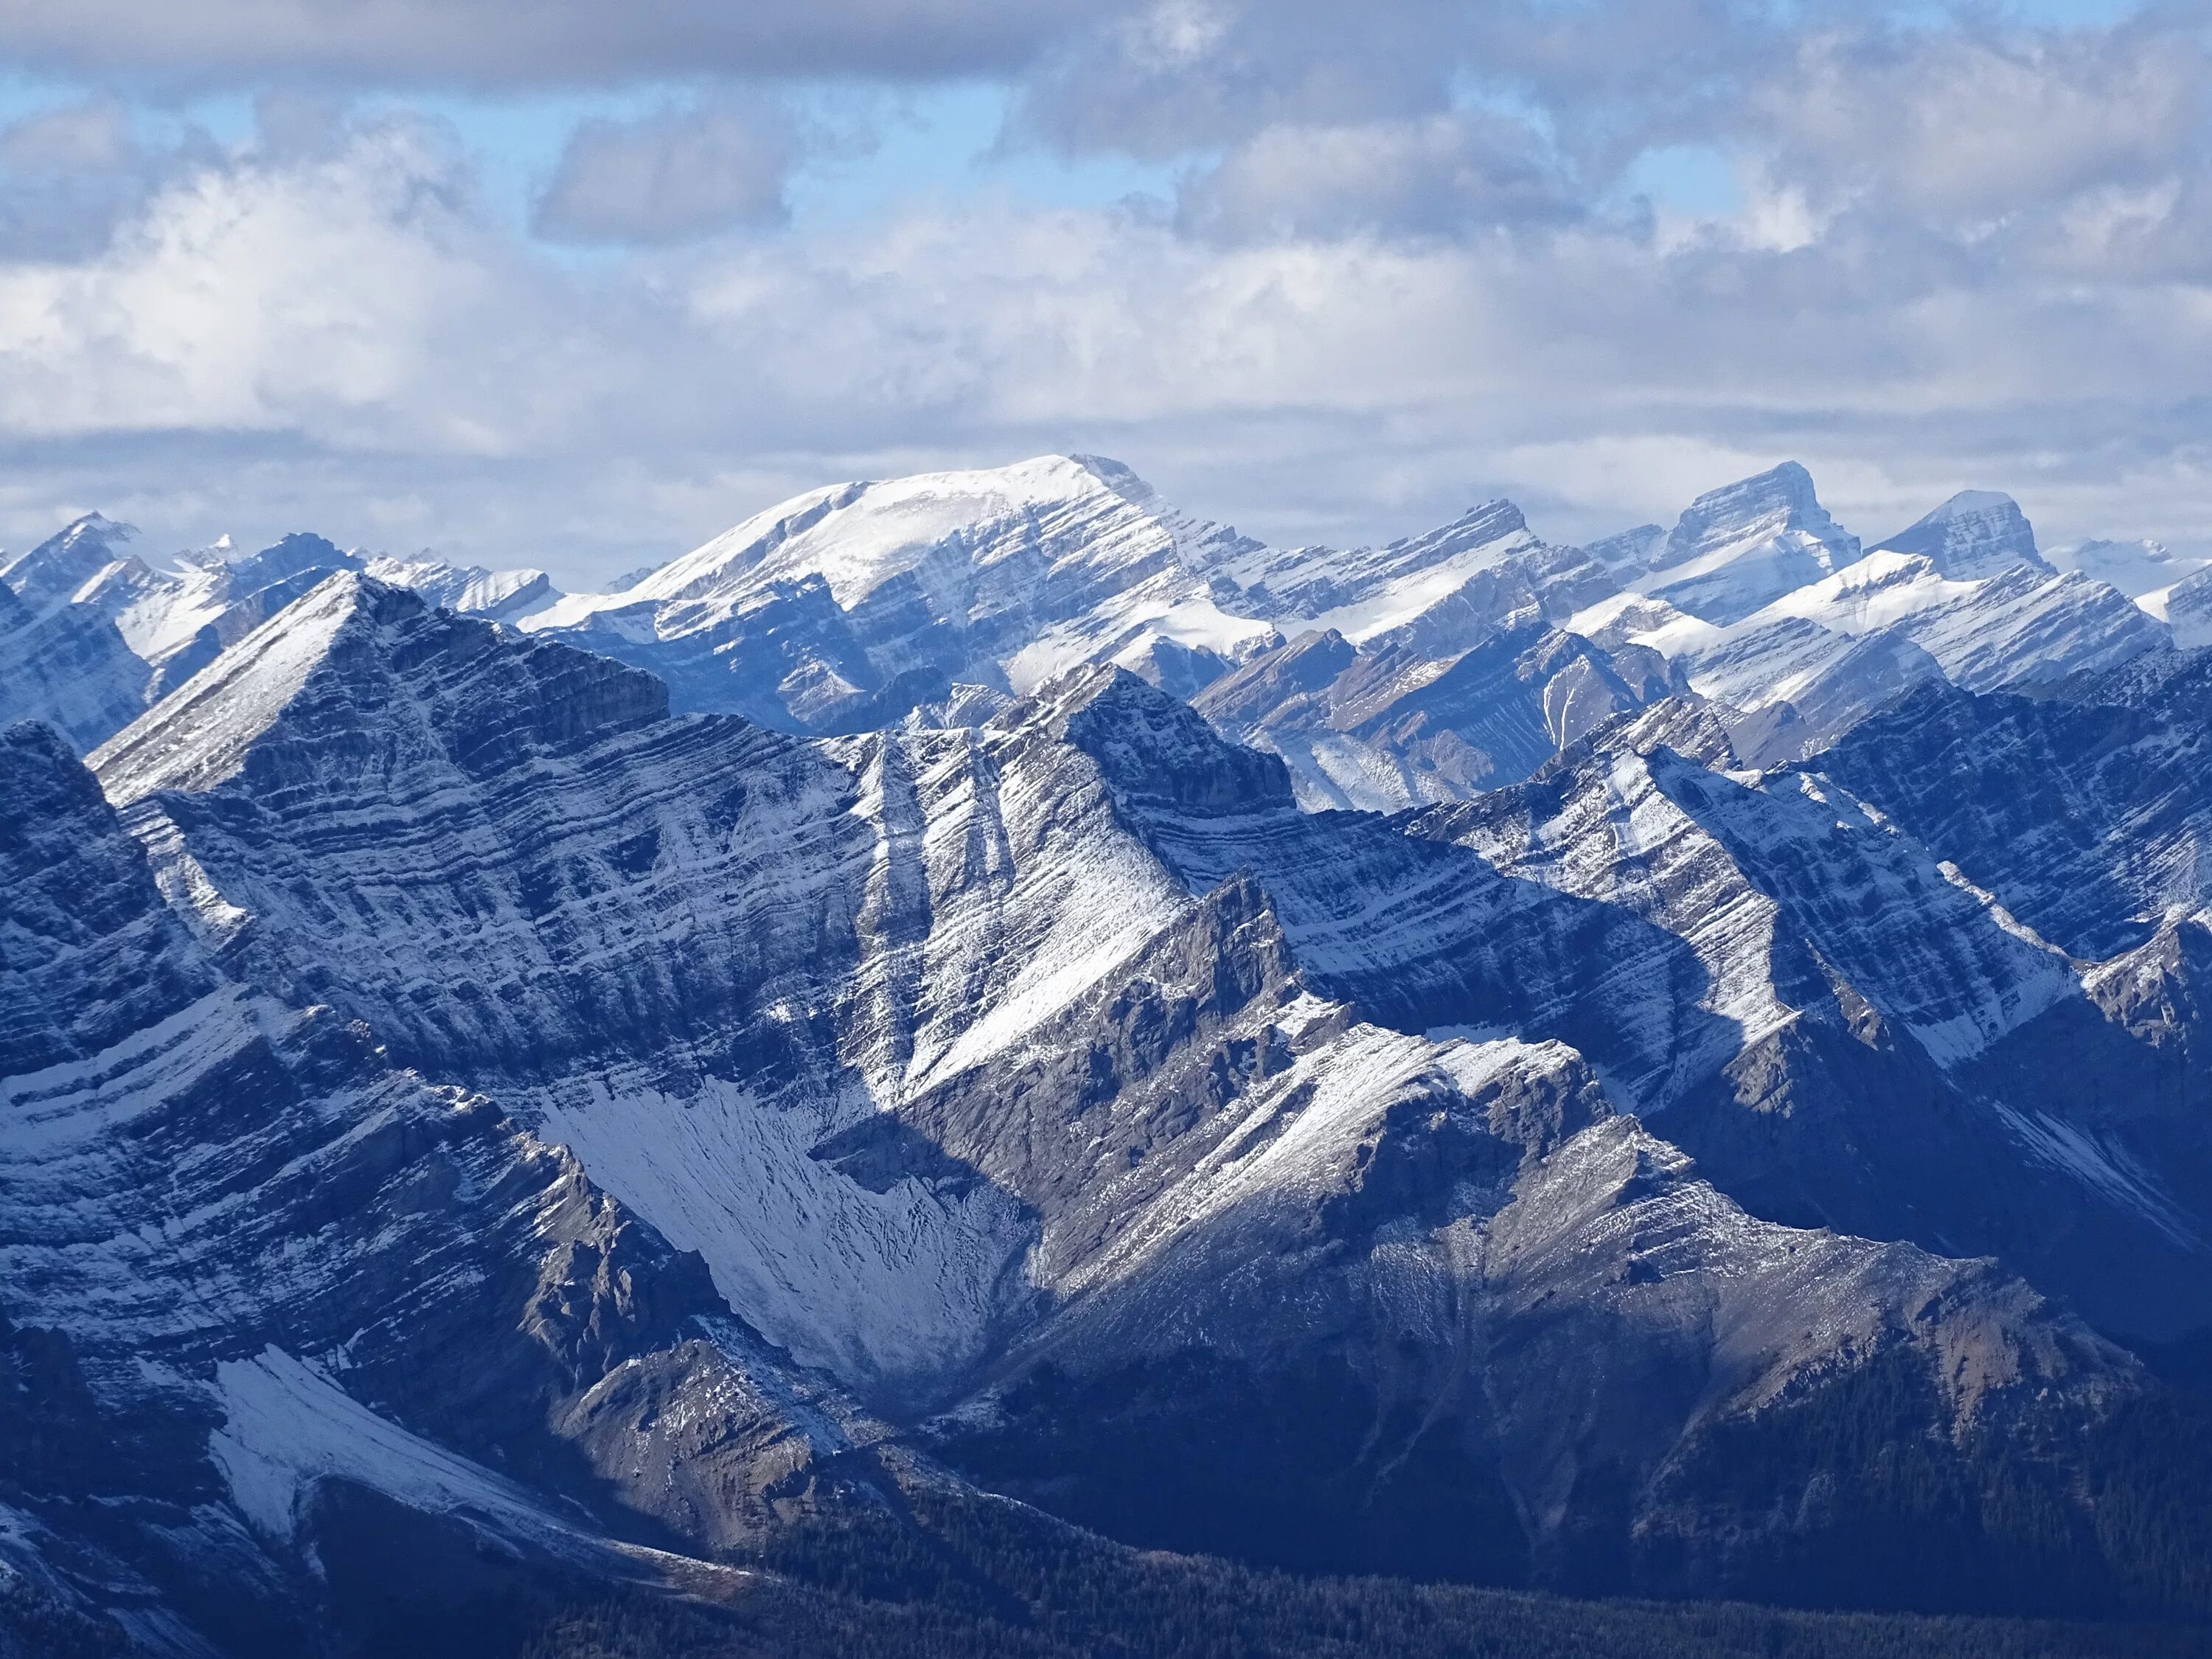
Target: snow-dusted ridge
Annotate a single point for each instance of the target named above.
(921, 909)
(259, 1269)
(440, 1069)
(848, 607)
(107, 633)
(843, 608)
(200, 733)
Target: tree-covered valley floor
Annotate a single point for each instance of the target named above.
(976, 1589)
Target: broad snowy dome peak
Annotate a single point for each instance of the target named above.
(1020, 549)
(2139, 568)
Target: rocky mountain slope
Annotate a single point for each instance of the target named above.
(1427, 669)
(101, 633)
(69, 667)
(1880, 1044)
(271, 1302)
(1424, 670)
(1313, 1187)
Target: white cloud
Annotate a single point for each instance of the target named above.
(270, 293)
(497, 43)
(328, 328)
(1457, 173)
(680, 173)
(1159, 80)
(70, 173)
(1968, 126)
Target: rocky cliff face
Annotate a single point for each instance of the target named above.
(1977, 533)
(844, 609)
(253, 1270)
(101, 634)
(1739, 548)
(2079, 809)
(1311, 1187)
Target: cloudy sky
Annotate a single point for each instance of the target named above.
(577, 283)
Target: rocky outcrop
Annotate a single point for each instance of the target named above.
(1214, 1173)
(1737, 549)
(248, 1264)
(1977, 533)
(98, 633)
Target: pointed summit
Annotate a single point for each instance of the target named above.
(358, 675)
(200, 734)
(1486, 525)
(1742, 546)
(49, 576)
(1977, 533)
(1156, 749)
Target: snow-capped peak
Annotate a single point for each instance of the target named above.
(1745, 544)
(2138, 569)
(1977, 533)
(51, 574)
(1766, 504)
(199, 734)
(941, 526)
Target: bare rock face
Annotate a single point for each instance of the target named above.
(1315, 1188)
(249, 1264)
(2079, 809)
(1977, 533)
(1739, 547)
(95, 633)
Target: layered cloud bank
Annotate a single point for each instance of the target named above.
(1598, 257)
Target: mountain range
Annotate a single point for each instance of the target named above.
(979, 1021)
